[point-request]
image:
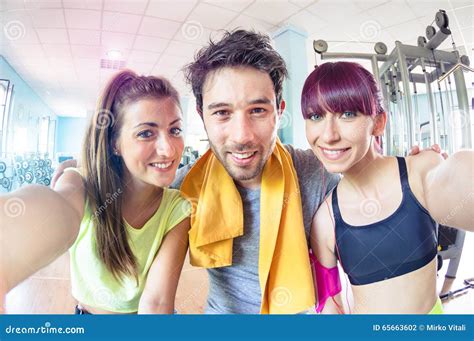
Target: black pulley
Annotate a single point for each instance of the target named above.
(421, 41)
(441, 19)
(430, 32)
(465, 60)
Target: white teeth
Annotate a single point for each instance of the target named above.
(162, 165)
(333, 152)
(242, 155)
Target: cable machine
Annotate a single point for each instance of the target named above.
(406, 75)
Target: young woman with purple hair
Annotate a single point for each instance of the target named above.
(380, 221)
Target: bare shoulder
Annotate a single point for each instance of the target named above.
(323, 221)
(324, 213)
(323, 237)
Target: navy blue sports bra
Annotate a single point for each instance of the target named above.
(394, 246)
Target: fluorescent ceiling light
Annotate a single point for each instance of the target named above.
(114, 54)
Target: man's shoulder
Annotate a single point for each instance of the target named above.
(301, 155)
(309, 168)
(304, 160)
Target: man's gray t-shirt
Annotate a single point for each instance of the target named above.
(236, 289)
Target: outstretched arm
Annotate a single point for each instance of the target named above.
(448, 188)
(3, 292)
(38, 224)
(59, 171)
(323, 241)
(162, 281)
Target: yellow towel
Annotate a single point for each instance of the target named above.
(284, 269)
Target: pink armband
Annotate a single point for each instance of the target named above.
(327, 281)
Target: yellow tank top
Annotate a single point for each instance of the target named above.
(94, 285)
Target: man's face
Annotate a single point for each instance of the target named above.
(241, 120)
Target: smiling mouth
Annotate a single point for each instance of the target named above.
(243, 159)
(333, 154)
(243, 156)
(162, 165)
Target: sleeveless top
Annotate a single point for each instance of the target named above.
(401, 243)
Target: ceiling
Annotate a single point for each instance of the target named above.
(57, 45)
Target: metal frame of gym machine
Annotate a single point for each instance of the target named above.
(394, 77)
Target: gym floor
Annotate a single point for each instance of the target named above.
(49, 290)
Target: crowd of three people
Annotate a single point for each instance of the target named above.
(250, 208)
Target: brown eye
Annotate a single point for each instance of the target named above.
(221, 113)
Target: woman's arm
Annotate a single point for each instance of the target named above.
(3, 292)
(448, 188)
(37, 225)
(323, 241)
(71, 163)
(162, 280)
